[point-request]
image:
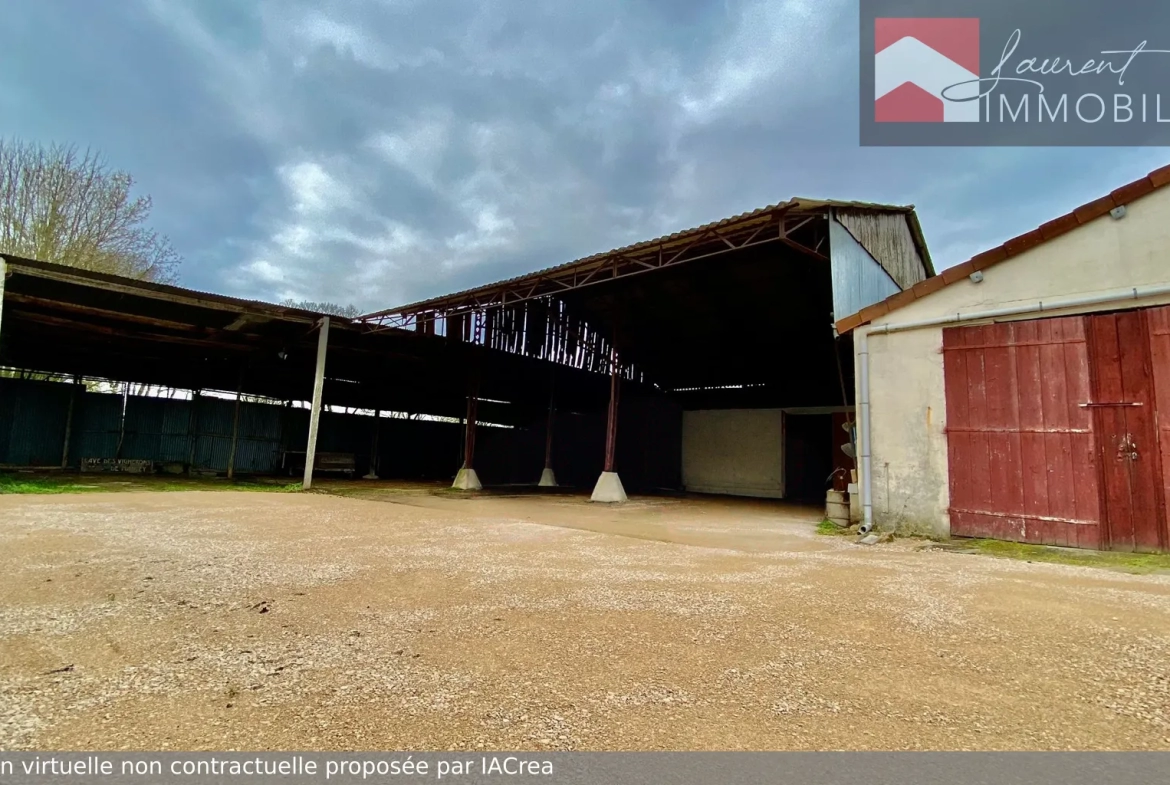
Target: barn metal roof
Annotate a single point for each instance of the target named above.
(795, 205)
(66, 320)
(159, 291)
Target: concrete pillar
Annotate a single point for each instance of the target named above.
(548, 478)
(609, 486)
(467, 479)
(315, 412)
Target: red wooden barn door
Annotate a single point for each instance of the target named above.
(1021, 453)
(1125, 421)
(1159, 324)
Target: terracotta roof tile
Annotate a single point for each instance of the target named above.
(987, 258)
(1132, 192)
(929, 286)
(1058, 226)
(1063, 224)
(904, 297)
(958, 272)
(849, 323)
(1160, 177)
(1094, 209)
(1024, 242)
(875, 311)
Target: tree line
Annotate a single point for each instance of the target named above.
(63, 205)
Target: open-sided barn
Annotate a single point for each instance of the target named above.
(705, 360)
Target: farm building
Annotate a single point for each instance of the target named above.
(102, 371)
(703, 361)
(1025, 394)
(726, 374)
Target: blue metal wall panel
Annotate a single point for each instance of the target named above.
(258, 445)
(199, 431)
(97, 425)
(858, 280)
(32, 421)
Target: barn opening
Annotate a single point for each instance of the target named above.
(703, 361)
(727, 374)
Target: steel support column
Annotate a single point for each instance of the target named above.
(609, 485)
(231, 469)
(467, 479)
(69, 422)
(192, 431)
(315, 412)
(372, 474)
(469, 434)
(611, 422)
(548, 478)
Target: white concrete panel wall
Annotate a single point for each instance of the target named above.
(907, 393)
(738, 452)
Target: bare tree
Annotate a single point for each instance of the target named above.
(59, 205)
(333, 309)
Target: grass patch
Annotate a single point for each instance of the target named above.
(830, 529)
(30, 483)
(1138, 563)
(15, 484)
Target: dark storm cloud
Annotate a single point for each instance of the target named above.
(380, 152)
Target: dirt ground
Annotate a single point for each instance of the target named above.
(409, 620)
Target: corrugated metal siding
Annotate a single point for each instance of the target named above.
(32, 422)
(858, 280)
(157, 430)
(199, 433)
(97, 424)
(258, 445)
(888, 239)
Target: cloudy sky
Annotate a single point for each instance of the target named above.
(383, 151)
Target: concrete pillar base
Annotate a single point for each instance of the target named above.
(548, 479)
(467, 480)
(608, 489)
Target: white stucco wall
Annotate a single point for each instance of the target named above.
(907, 396)
(739, 452)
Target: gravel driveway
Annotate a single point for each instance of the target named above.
(198, 620)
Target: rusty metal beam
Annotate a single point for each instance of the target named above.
(655, 260)
(612, 266)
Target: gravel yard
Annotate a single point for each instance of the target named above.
(410, 620)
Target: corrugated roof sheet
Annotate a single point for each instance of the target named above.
(795, 204)
(147, 288)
